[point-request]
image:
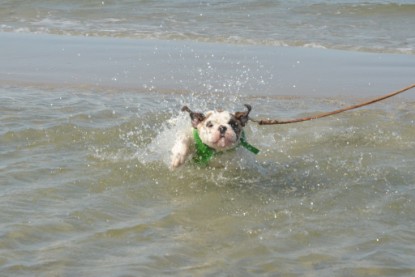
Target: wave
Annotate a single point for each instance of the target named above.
(231, 40)
(373, 26)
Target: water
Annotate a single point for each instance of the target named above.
(374, 26)
(86, 191)
(86, 126)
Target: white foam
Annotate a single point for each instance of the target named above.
(159, 148)
(314, 45)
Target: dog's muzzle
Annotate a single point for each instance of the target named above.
(222, 130)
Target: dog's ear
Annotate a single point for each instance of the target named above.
(195, 117)
(243, 117)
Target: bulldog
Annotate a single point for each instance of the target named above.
(212, 132)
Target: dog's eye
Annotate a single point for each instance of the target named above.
(209, 124)
(234, 124)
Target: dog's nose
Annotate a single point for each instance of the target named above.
(222, 129)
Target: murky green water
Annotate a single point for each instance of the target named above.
(85, 189)
(86, 126)
(383, 26)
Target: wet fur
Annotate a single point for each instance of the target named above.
(220, 130)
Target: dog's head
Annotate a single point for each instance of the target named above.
(220, 130)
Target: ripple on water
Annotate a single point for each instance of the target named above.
(86, 187)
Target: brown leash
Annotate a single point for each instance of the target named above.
(275, 121)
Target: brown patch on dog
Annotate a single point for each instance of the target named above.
(243, 117)
(195, 117)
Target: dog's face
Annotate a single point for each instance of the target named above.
(220, 130)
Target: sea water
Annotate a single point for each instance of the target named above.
(373, 25)
(86, 126)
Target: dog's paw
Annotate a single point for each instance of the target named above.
(177, 161)
(180, 152)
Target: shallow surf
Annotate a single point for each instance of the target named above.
(86, 189)
(87, 123)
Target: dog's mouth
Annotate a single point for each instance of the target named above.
(224, 142)
(220, 141)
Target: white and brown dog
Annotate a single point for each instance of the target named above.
(213, 132)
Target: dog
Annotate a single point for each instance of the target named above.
(212, 132)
